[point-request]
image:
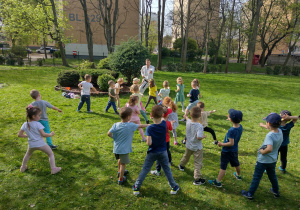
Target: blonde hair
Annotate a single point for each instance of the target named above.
(168, 102)
(110, 82)
(166, 84)
(120, 80)
(180, 79)
(87, 76)
(196, 82)
(34, 93)
(134, 88)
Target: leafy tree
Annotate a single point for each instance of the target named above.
(191, 44)
(128, 58)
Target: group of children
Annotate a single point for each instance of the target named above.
(165, 118)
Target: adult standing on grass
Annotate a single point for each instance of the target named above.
(147, 74)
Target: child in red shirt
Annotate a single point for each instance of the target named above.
(167, 111)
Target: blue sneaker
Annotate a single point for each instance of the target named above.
(125, 173)
(236, 176)
(122, 182)
(246, 194)
(174, 190)
(276, 195)
(78, 110)
(215, 183)
(136, 191)
(282, 170)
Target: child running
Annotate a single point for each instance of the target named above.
(132, 104)
(35, 132)
(180, 93)
(136, 81)
(118, 87)
(203, 120)
(172, 116)
(194, 133)
(112, 97)
(134, 89)
(230, 148)
(152, 92)
(43, 105)
(157, 151)
(164, 92)
(122, 134)
(194, 97)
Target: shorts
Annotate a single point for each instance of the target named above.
(229, 157)
(124, 158)
(191, 105)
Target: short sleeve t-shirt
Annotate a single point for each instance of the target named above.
(235, 134)
(193, 131)
(152, 91)
(274, 139)
(35, 138)
(158, 134)
(112, 92)
(123, 135)
(169, 128)
(203, 118)
(86, 88)
(174, 116)
(134, 115)
(164, 92)
(43, 106)
(194, 95)
(117, 86)
(286, 133)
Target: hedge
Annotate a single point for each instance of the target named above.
(95, 73)
(103, 81)
(68, 78)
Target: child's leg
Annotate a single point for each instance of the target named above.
(149, 160)
(158, 166)
(221, 175)
(283, 156)
(182, 105)
(46, 130)
(114, 106)
(168, 151)
(198, 158)
(148, 101)
(211, 131)
(225, 159)
(140, 129)
(186, 157)
(155, 101)
(82, 100)
(88, 103)
(142, 107)
(272, 176)
(144, 115)
(50, 154)
(258, 173)
(238, 170)
(27, 156)
(175, 136)
(163, 160)
(121, 169)
(108, 106)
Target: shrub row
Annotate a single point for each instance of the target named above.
(286, 70)
(11, 59)
(95, 73)
(193, 67)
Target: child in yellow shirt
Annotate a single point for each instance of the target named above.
(152, 92)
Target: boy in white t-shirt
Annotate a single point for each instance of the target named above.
(86, 87)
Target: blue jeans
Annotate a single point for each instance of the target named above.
(158, 166)
(258, 173)
(162, 158)
(46, 130)
(113, 104)
(87, 99)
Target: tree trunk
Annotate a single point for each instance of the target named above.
(45, 45)
(252, 41)
(208, 18)
(181, 29)
(115, 18)
(142, 21)
(229, 37)
(220, 33)
(262, 56)
(186, 36)
(160, 24)
(239, 50)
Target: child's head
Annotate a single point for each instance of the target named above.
(201, 105)
(235, 116)
(273, 120)
(157, 112)
(179, 80)
(285, 112)
(196, 82)
(125, 113)
(152, 83)
(148, 62)
(166, 84)
(166, 112)
(87, 77)
(195, 112)
(136, 81)
(168, 102)
(33, 113)
(120, 81)
(133, 100)
(134, 89)
(111, 83)
(34, 94)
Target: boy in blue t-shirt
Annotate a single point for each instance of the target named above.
(156, 140)
(267, 157)
(230, 147)
(194, 97)
(122, 133)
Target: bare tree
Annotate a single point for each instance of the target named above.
(207, 30)
(186, 36)
(160, 26)
(229, 37)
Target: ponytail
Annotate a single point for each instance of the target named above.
(30, 111)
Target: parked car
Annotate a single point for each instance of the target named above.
(48, 50)
(28, 50)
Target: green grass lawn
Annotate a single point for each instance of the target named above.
(88, 177)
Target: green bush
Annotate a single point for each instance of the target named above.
(2, 60)
(19, 51)
(220, 60)
(57, 54)
(277, 70)
(10, 59)
(286, 70)
(269, 70)
(197, 67)
(191, 44)
(95, 73)
(114, 74)
(86, 65)
(219, 68)
(188, 67)
(40, 61)
(104, 63)
(191, 54)
(296, 71)
(179, 67)
(208, 68)
(68, 78)
(165, 52)
(103, 81)
(213, 68)
(174, 53)
(242, 58)
(20, 61)
(171, 67)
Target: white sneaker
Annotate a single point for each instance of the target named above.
(155, 172)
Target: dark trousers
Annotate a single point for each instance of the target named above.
(83, 99)
(158, 166)
(113, 104)
(149, 99)
(283, 155)
(211, 131)
(258, 173)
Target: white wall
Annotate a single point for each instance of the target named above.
(83, 49)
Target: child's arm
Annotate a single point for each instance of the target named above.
(213, 111)
(287, 117)
(143, 125)
(177, 89)
(110, 134)
(94, 89)
(228, 144)
(43, 134)
(149, 140)
(200, 96)
(55, 108)
(266, 150)
(21, 134)
(200, 138)
(80, 86)
(111, 95)
(263, 125)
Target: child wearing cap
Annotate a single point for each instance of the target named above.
(230, 147)
(267, 157)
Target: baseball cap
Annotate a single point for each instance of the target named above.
(235, 115)
(273, 118)
(284, 112)
(168, 112)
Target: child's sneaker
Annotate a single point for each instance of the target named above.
(78, 110)
(155, 172)
(147, 122)
(144, 140)
(276, 195)
(246, 194)
(55, 170)
(125, 173)
(90, 111)
(282, 170)
(181, 168)
(215, 183)
(136, 191)
(183, 141)
(215, 142)
(199, 182)
(174, 190)
(236, 176)
(175, 143)
(53, 147)
(122, 182)
(117, 113)
(171, 163)
(182, 120)
(23, 168)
